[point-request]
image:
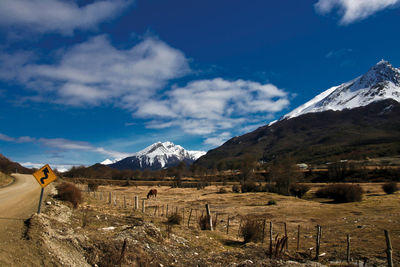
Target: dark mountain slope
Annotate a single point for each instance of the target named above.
(368, 131)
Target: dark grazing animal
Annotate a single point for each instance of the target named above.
(152, 192)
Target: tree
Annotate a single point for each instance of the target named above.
(284, 173)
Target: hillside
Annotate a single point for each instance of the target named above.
(8, 166)
(318, 137)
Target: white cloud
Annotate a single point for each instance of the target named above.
(136, 79)
(58, 16)
(58, 167)
(214, 106)
(218, 140)
(354, 10)
(95, 73)
(64, 144)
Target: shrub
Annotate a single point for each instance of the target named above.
(252, 230)
(222, 190)
(93, 186)
(204, 222)
(235, 188)
(299, 190)
(251, 187)
(271, 202)
(174, 218)
(341, 193)
(390, 187)
(201, 185)
(69, 192)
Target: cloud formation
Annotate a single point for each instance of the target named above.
(58, 16)
(214, 107)
(94, 72)
(64, 144)
(137, 79)
(354, 10)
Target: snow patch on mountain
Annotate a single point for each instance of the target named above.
(158, 156)
(108, 161)
(381, 82)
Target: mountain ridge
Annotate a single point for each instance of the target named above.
(357, 119)
(158, 156)
(382, 81)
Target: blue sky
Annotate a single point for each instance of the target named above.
(88, 80)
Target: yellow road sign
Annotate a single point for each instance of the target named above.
(45, 175)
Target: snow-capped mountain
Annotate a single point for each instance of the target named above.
(381, 82)
(355, 120)
(158, 156)
(109, 161)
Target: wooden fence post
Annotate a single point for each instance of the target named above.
(109, 197)
(348, 248)
(190, 215)
(209, 216)
(227, 226)
(155, 210)
(143, 206)
(287, 239)
(124, 202)
(183, 214)
(270, 239)
(136, 202)
(167, 211)
(318, 242)
(240, 226)
(389, 249)
(263, 231)
(298, 237)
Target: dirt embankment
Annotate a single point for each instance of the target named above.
(17, 203)
(92, 236)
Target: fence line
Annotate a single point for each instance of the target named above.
(303, 236)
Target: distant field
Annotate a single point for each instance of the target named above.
(364, 221)
(5, 179)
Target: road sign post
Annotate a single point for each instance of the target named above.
(44, 176)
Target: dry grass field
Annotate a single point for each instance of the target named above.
(5, 179)
(365, 221)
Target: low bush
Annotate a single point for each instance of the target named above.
(390, 187)
(341, 193)
(92, 187)
(299, 190)
(251, 187)
(251, 230)
(174, 218)
(201, 185)
(222, 190)
(204, 223)
(235, 188)
(69, 192)
(271, 202)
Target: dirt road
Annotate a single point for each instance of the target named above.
(17, 203)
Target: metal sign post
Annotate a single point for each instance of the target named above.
(44, 176)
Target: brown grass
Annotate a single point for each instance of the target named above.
(5, 179)
(364, 221)
(69, 192)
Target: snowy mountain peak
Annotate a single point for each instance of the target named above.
(157, 156)
(382, 81)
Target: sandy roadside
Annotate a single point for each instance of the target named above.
(17, 203)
